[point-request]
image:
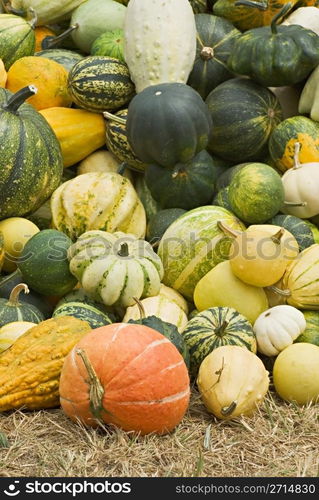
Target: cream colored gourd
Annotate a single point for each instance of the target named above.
(47, 11)
(277, 328)
(10, 332)
(307, 17)
(309, 98)
(104, 201)
(159, 41)
(162, 308)
(115, 268)
(174, 296)
(301, 185)
(232, 382)
(102, 161)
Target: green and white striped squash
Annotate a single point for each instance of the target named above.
(104, 201)
(159, 41)
(297, 227)
(110, 43)
(311, 333)
(14, 310)
(193, 245)
(17, 39)
(213, 328)
(65, 57)
(48, 12)
(100, 83)
(94, 315)
(115, 268)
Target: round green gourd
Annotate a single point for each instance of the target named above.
(17, 39)
(225, 178)
(186, 185)
(16, 310)
(256, 193)
(297, 227)
(154, 121)
(244, 115)
(159, 222)
(221, 199)
(94, 315)
(215, 40)
(100, 83)
(311, 333)
(110, 43)
(213, 328)
(44, 264)
(68, 58)
(314, 230)
(78, 295)
(31, 162)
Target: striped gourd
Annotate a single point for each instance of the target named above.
(311, 333)
(13, 309)
(99, 83)
(115, 269)
(193, 245)
(301, 279)
(213, 328)
(117, 143)
(110, 43)
(297, 227)
(94, 315)
(68, 58)
(17, 39)
(96, 200)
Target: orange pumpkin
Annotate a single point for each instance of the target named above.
(128, 375)
(48, 76)
(41, 32)
(3, 74)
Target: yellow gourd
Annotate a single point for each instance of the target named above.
(232, 381)
(79, 132)
(16, 232)
(30, 369)
(41, 32)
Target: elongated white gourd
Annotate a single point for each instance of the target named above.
(48, 11)
(159, 41)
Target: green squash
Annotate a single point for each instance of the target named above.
(213, 328)
(44, 264)
(275, 56)
(244, 115)
(215, 40)
(168, 124)
(226, 177)
(99, 83)
(17, 39)
(79, 296)
(94, 17)
(110, 43)
(297, 227)
(256, 193)
(31, 162)
(187, 185)
(159, 222)
(94, 315)
(13, 309)
(150, 205)
(314, 230)
(68, 58)
(221, 199)
(311, 333)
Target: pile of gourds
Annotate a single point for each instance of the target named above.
(159, 207)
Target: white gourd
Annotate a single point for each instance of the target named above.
(307, 17)
(159, 41)
(309, 98)
(277, 328)
(47, 11)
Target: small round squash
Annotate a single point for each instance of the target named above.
(141, 384)
(16, 232)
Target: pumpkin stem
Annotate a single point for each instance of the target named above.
(140, 308)
(228, 230)
(220, 330)
(278, 17)
(121, 168)
(96, 390)
(114, 118)
(14, 295)
(275, 289)
(207, 53)
(8, 8)
(295, 203)
(228, 410)
(51, 41)
(14, 102)
(123, 251)
(277, 237)
(34, 17)
(253, 4)
(297, 163)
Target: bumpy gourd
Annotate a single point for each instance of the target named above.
(30, 369)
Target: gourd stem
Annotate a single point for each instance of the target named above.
(51, 41)
(277, 237)
(228, 410)
(15, 101)
(275, 289)
(220, 330)
(115, 118)
(8, 8)
(140, 308)
(123, 251)
(295, 203)
(207, 53)
(297, 163)
(34, 17)
(253, 4)
(228, 230)
(278, 17)
(96, 390)
(14, 295)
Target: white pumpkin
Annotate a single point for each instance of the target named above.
(307, 17)
(159, 41)
(301, 185)
(277, 328)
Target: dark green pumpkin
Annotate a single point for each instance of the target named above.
(17, 39)
(159, 222)
(187, 185)
(68, 58)
(100, 83)
(150, 205)
(168, 124)
(244, 114)
(13, 309)
(275, 56)
(44, 264)
(297, 227)
(215, 40)
(110, 43)
(31, 162)
(94, 315)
